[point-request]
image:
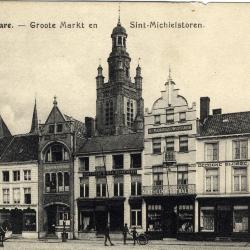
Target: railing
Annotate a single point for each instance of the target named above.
(169, 190)
(170, 156)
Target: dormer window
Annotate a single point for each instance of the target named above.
(170, 115)
(56, 153)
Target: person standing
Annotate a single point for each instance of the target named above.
(125, 232)
(107, 237)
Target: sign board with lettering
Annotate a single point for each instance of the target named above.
(110, 172)
(170, 129)
(223, 163)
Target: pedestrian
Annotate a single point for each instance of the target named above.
(2, 234)
(107, 237)
(134, 234)
(125, 232)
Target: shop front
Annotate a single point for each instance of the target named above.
(94, 214)
(168, 216)
(19, 221)
(224, 217)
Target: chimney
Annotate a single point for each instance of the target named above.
(217, 111)
(90, 126)
(204, 108)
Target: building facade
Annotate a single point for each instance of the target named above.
(57, 143)
(19, 181)
(169, 164)
(223, 187)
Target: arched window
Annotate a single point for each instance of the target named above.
(60, 182)
(53, 183)
(66, 181)
(47, 182)
(56, 153)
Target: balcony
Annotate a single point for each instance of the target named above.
(169, 157)
(169, 190)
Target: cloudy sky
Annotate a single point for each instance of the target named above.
(213, 61)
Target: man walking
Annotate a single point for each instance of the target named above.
(124, 232)
(134, 234)
(107, 237)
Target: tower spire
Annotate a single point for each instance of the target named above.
(34, 123)
(169, 74)
(119, 14)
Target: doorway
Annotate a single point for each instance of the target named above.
(16, 216)
(51, 216)
(224, 220)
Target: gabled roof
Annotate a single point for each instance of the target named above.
(21, 148)
(226, 124)
(4, 131)
(111, 143)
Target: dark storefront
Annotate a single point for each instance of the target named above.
(167, 216)
(94, 214)
(224, 217)
(17, 220)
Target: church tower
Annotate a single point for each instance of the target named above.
(119, 103)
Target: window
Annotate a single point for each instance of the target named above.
(84, 187)
(182, 116)
(135, 160)
(157, 176)
(51, 128)
(118, 186)
(240, 150)
(29, 220)
(183, 143)
(100, 161)
(16, 175)
(27, 175)
(136, 217)
(182, 175)
(109, 113)
(157, 119)
(66, 181)
(119, 41)
(240, 179)
(130, 113)
(170, 115)
(212, 180)
(117, 161)
(6, 176)
(155, 217)
(212, 151)
(59, 128)
(84, 163)
(47, 182)
(101, 187)
(135, 185)
(156, 145)
(53, 183)
(240, 219)
(207, 219)
(60, 182)
(186, 213)
(27, 195)
(16, 195)
(169, 154)
(56, 153)
(6, 196)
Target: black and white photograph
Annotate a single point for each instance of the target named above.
(124, 125)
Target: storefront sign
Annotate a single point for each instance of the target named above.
(110, 172)
(170, 129)
(223, 163)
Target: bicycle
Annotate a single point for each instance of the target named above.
(141, 239)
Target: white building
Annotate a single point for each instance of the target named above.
(169, 164)
(223, 187)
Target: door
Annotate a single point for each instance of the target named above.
(170, 223)
(101, 219)
(51, 215)
(16, 221)
(116, 218)
(224, 220)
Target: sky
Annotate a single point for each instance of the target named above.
(211, 61)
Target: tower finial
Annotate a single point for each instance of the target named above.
(119, 14)
(169, 73)
(139, 60)
(100, 61)
(34, 123)
(55, 101)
